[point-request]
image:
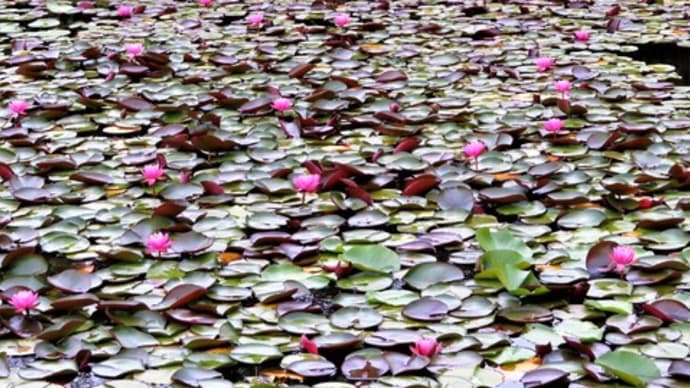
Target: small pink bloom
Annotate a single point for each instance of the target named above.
(581, 35)
(342, 20)
(563, 86)
(622, 256)
(152, 173)
(158, 243)
(474, 149)
(125, 11)
(134, 50)
(646, 202)
(185, 176)
(24, 301)
(18, 108)
(340, 268)
(255, 19)
(205, 3)
(394, 107)
(281, 104)
(544, 63)
(426, 346)
(85, 4)
(309, 345)
(306, 183)
(553, 125)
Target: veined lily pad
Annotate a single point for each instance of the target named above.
(424, 275)
(630, 367)
(373, 258)
(254, 353)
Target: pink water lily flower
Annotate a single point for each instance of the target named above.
(563, 86)
(134, 50)
(152, 173)
(622, 256)
(255, 19)
(85, 4)
(342, 20)
(544, 63)
(158, 243)
(394, 107)
(647, 202)
(281, 104)
(185, 176)
(17, 108)
(205, 3)
(306, 183)
(553, 125)
(472, 150)
(426, 346)
(581, 35)
(309, 345)
(23, 301)
(340, 268)
(125, 11)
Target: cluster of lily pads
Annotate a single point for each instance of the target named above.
(417, 193)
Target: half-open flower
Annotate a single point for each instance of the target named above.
(152, 173)
(309, 345)
(23, 301)
(342, 20)
(159, 242)
(426, 346)
(622, 256)
(306, 183)
(544, 63)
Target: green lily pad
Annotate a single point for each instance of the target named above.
(632, 368)
(374, 258)
(583, 331)
(425, 275)
(255, 354)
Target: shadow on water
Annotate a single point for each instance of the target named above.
(666, 53)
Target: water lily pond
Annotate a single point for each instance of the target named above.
(340, 194)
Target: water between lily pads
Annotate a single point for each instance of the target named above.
(665, 53)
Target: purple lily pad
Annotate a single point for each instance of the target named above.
(426, 309)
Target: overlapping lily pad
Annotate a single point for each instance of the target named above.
(500, 263)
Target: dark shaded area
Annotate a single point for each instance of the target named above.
(667, 53)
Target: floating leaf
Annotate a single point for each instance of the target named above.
(373, 258)
(254, 353)
(632, 368)
(425, 275)
(502, 240)
(180, 296)
(132, 338)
